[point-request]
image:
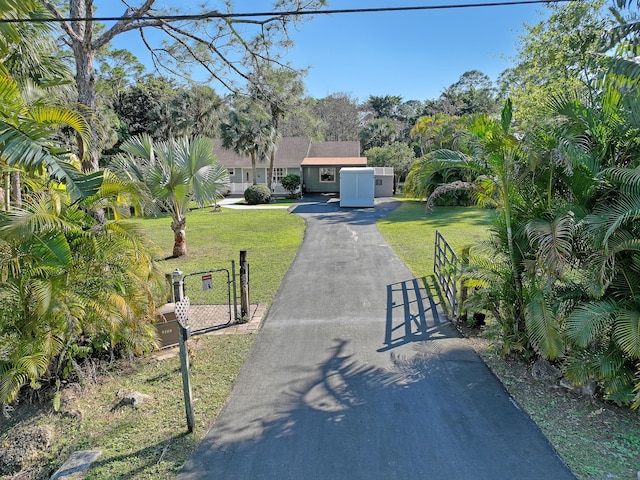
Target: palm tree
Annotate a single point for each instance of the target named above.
(584, 305)
(248, 132)
(434, 132)
(279, 91)
(69, 288)
(26, 130)
(498, 164)
(171, 174)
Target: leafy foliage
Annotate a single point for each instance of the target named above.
(291, 182)
(65, 287)
(170, 174)
(257, 194)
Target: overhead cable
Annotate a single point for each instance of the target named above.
(218, 14)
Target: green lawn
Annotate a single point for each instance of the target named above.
(214, 238)
(412, 234)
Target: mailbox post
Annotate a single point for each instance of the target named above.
(181, 310)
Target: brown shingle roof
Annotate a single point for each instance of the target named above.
(335, 161)
(294, 151)
(334, 149)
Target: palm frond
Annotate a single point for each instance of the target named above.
(543, 327)
(627, 178)
(626, 331)
(553, 240)
(589, 320)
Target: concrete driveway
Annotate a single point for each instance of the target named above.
(356, 374)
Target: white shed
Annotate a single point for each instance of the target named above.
(357, 187)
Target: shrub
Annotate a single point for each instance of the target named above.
(290, 183)
(257, 194)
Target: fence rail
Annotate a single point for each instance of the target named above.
(445, 267)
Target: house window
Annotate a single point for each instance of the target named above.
(278, 173)
(327, 175)
(231, 171)
(378, 182)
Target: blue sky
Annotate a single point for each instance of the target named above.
(414, 54)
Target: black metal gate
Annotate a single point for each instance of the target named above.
(213, 299)
(445, 266)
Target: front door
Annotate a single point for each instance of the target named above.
(247, 176)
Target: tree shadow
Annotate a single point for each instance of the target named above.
(438, 413)
(143, 460)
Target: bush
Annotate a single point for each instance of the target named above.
(290, 183)
(257, 194)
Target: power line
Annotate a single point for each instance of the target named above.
(217, 14)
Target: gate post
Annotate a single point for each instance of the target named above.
(235, 291)
(244, 287)
(183, 336)
(464, 290)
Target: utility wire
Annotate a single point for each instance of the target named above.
(217, 14)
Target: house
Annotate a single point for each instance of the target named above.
(317, 163)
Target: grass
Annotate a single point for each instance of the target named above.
(214, 238)
(412, 234)
(597, 440)
(148, 442)
(151, 442)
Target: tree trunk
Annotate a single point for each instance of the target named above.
(81, 38)
(6, 192)
(16, 189)
(272, 160)
(180, 237)
(254, 171)
(85, 81)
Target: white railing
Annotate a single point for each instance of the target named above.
(383, 170)
(239, 188)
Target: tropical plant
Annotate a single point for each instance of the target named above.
(290, 183)
(248, 132)
(498, 165)
(257, 194)
(171, 174)
(623, 40)
(69, 289)
(377, 133)
(279, 92)
(581, 281)
(26, 131)
(435, 132)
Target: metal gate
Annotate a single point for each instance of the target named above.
(445, 266)
(213, 299)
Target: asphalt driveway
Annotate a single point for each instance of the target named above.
(356, 374)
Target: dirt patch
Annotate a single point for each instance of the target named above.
(24, 447)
